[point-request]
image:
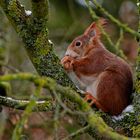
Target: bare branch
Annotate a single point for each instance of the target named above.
(42, 105)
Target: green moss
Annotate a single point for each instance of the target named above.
(34, 32)
(12, 5)
(14, 13)
(136, 131)
(40, 9)
(137, 86)
(36, 60)
(136, 99)
(45, 106)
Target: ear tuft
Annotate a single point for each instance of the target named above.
(90, 28)
(95, 28)
(102, 22)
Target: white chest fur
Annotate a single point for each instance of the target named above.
(92, 89)
(89, 83)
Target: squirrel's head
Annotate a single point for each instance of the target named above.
(86, 41)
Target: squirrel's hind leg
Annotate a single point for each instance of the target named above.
(94, 101)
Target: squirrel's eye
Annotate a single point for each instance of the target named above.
(78, 43)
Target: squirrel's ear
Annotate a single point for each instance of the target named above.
(90, 28)
(94, 29)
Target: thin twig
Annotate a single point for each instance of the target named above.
(13, 69)
(119, 40)
(56, 119)
(42, 105)
(93, 14)
(117, 46)
(20, 125)
(95, 17)
(67, 110)
(77, 133)
(113, 19)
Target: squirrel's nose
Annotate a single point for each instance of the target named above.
(67, 55)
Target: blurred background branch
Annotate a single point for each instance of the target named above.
(113, 19)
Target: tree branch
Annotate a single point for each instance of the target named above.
(16, 14)
(77, 133)
(43, 105)
(40, 9)
(89, 115)
(20, 125)
(34, 33)
(112, 47)
(113, 19)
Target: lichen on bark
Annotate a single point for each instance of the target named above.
(34, 33)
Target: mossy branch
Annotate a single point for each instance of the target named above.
(43, 105)
(34, 34)
(40, 9)
(113, 19)
(95, 17)
(16, 14)
(77, 133)
(112, 47)
(137, 83)
(20, 125)
(89, 115)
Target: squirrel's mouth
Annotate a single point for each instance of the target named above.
(72, 54)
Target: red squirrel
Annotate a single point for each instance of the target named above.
(107, 77)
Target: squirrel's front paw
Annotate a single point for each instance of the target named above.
(67, 63)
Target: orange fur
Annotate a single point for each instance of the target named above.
(107, 77)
